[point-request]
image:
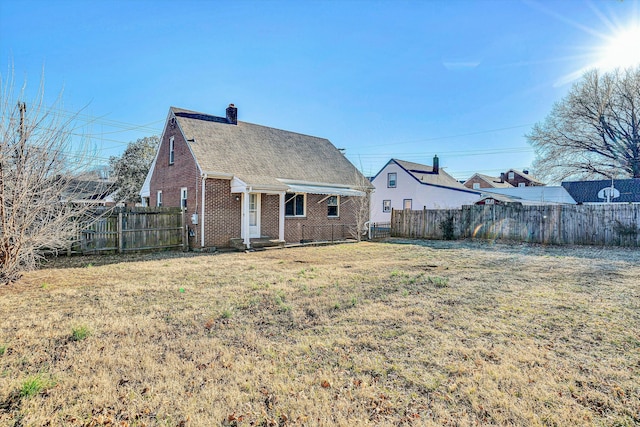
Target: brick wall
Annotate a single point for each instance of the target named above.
(223, 214)
(269, 216)
(475, 180)
(172, 178)
(317, 216)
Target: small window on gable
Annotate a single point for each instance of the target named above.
(407, 203)
(183, 197)
(392, 179)
(171, 151)
(294, 205)
(333, 203)
(476, 185)
(511, 175)
(386, 206)
(159, 198)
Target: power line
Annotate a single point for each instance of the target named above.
(437, 138)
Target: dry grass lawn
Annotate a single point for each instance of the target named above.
(396, 333)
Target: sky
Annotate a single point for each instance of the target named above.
(465, 80)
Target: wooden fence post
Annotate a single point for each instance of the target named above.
(120, 232)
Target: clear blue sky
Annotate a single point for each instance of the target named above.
(462, 79)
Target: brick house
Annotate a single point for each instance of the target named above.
(479, 181)
(520, 178)
(509, 179)
(240, 181)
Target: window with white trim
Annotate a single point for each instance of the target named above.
(295, 205)
(159, 198)
(406, 203)
(476, 185)
(183, 197)
(392, 180)
(522, 184)
(386, 206)
(333, 206)
(171, 151)
(511, 175)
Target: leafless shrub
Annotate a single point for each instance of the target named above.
(361, 207)
(38, 158)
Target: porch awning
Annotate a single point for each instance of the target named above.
(329, 191)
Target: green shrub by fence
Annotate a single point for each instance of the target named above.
(606, 225)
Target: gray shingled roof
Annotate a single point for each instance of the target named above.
(587, 191)
(260, 155)
(424, 174)
(495, 181)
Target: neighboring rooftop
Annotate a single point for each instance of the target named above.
(542, 194)
(625, 190)
(432, 175)
(491, 181)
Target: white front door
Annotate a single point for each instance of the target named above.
(254, 215)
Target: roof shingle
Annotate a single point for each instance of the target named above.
(262, 156)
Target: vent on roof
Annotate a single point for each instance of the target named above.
(232, 114)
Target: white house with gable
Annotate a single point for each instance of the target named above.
(406, 185)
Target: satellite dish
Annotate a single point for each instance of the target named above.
(608, 193)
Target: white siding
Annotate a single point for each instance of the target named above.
(422, 195)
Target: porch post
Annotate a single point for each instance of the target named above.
(281, 217)
(245, 220)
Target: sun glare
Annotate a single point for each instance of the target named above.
(622, 50)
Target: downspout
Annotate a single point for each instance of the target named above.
(204, 179)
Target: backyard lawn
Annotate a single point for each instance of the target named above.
(394, 333)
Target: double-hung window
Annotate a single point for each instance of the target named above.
(386, 206)
(392, 180)
(183, 197)
(171, 151)
(407, 203)
(333, 203)
(294, 205)
(159, 198)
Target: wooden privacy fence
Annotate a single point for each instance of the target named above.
(120, 230)
(607, 224)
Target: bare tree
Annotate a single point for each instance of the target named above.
(36, 161)
(594, 131)
(361, 206)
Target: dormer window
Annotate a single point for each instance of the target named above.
(511, 175)
(171, 151)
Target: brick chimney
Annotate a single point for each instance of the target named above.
(436, 164)
(232, 114)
